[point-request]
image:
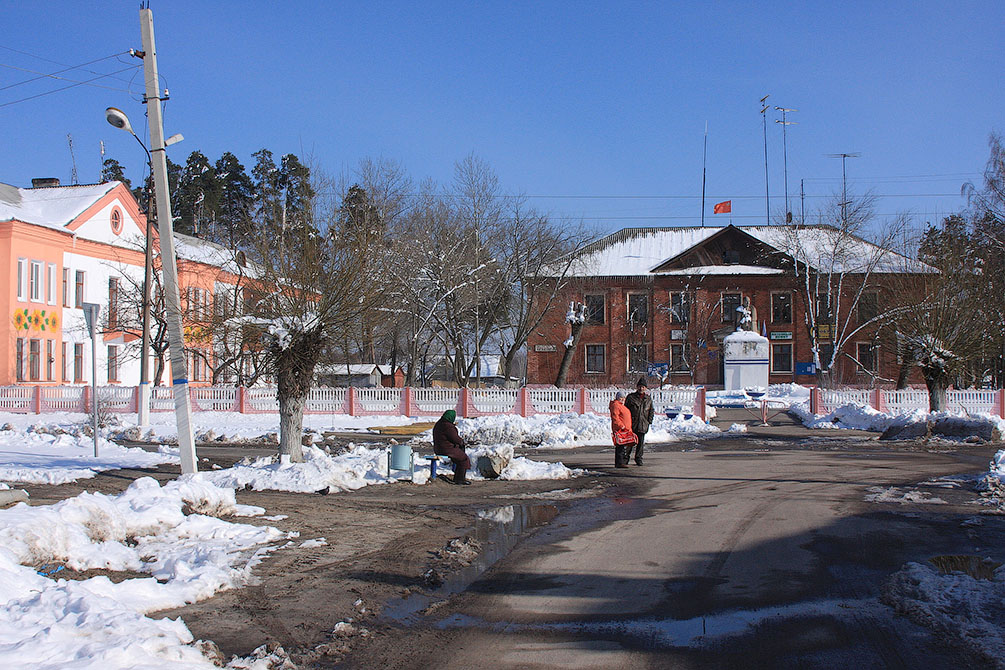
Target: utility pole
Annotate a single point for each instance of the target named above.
(785, 158)
(176, 340)
(844, 184)
(704, 155)
(764, 128)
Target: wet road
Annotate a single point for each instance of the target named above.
(762, 555)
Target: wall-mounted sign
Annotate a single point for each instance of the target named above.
(545, 347)
(678, 334)
(805, 369)
(781, 335)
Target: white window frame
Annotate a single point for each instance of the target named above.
(22, 279)
(50, 359)
(51, 278)
(36, 281)
(777, 293)
(79, 295)
(683, 355)
(586, 359)
(684, 302)
(66, 287)
(112, 364)
(791, 362)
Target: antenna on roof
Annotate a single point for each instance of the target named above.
(73, 160)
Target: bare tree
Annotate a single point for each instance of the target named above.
(576, 318)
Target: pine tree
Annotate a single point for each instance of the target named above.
(111, 170)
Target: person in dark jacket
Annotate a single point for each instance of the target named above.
(446, 442)
(640, 404)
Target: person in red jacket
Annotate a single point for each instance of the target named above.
(621, 419)
(446, 442)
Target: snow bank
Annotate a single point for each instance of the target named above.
(521, 468)
(58, 623)
(860, 417)
(777, 394)
(565, 431)
(56, 453)
(968, 611)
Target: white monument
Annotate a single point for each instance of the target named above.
(745, 360)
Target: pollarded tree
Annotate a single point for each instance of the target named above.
(318, 283)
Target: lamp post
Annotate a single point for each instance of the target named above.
(118, 119)
(785, 158)
(844, 184)
(764, 129)
(176, 341)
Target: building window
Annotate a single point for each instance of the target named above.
(866, 353)
(78, 293)
(868, 307)
(680, 307)
(66, 287)
(595, 358)
(781, 358)
(65, 362)
(678, 358)
(638, 358)
(730, 301)
(19, 360)
(113, 303)
(113, 363)
(824, 309)
(638, 310)
(116, 220)
(594, 309)
(34, 364)
(51, 279)
(22, 279)
(36, 282)
(78, 362)
(50, 359)
(781, 308)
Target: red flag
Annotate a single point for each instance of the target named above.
(724, 207)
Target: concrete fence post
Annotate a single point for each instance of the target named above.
(87, 399)
(582, 400)
(814, 400)
(1001, 403)
(523, 401)
(37, 400)
(877, 400)
(406, 392)
(465, 402)
(699, 404)
(351, 400)
(242, 400)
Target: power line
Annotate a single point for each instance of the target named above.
(80, 83)
(52, 75)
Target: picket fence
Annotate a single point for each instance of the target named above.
(351, 401)
(971, 401)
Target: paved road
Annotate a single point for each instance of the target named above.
(749, 553)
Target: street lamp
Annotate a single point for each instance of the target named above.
(118, 119)
(785, 157)
(764, 130)
(176, 340)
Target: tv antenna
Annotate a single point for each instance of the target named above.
(73, 160)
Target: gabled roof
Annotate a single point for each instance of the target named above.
(639, 252)
(53, 206)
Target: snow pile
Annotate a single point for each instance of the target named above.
(349, 471)
(52, 453)
(47, 623)
(359, 467)
(521, 468)
(968, 611)
(565, 431)
(866, 418)
(776, 394)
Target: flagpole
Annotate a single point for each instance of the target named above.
(704, 155)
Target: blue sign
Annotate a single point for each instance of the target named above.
(805, 369)
(658, 369)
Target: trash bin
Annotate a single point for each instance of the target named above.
(401, 457)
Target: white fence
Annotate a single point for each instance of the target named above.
(970, 401)
(417, 402)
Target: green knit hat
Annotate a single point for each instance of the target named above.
(450, 415)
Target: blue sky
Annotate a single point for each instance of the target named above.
(561, 98)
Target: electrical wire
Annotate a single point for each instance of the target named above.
(52, 75)
(80, 83)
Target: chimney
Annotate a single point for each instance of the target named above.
(44, 182)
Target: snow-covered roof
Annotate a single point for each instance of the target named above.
(638, 251)
(354, 369)
(52, 206)
(725, 270)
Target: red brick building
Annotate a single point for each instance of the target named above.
(659, 301)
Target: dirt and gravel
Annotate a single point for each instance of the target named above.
(518, 574)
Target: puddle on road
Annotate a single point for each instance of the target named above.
(497, 530)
